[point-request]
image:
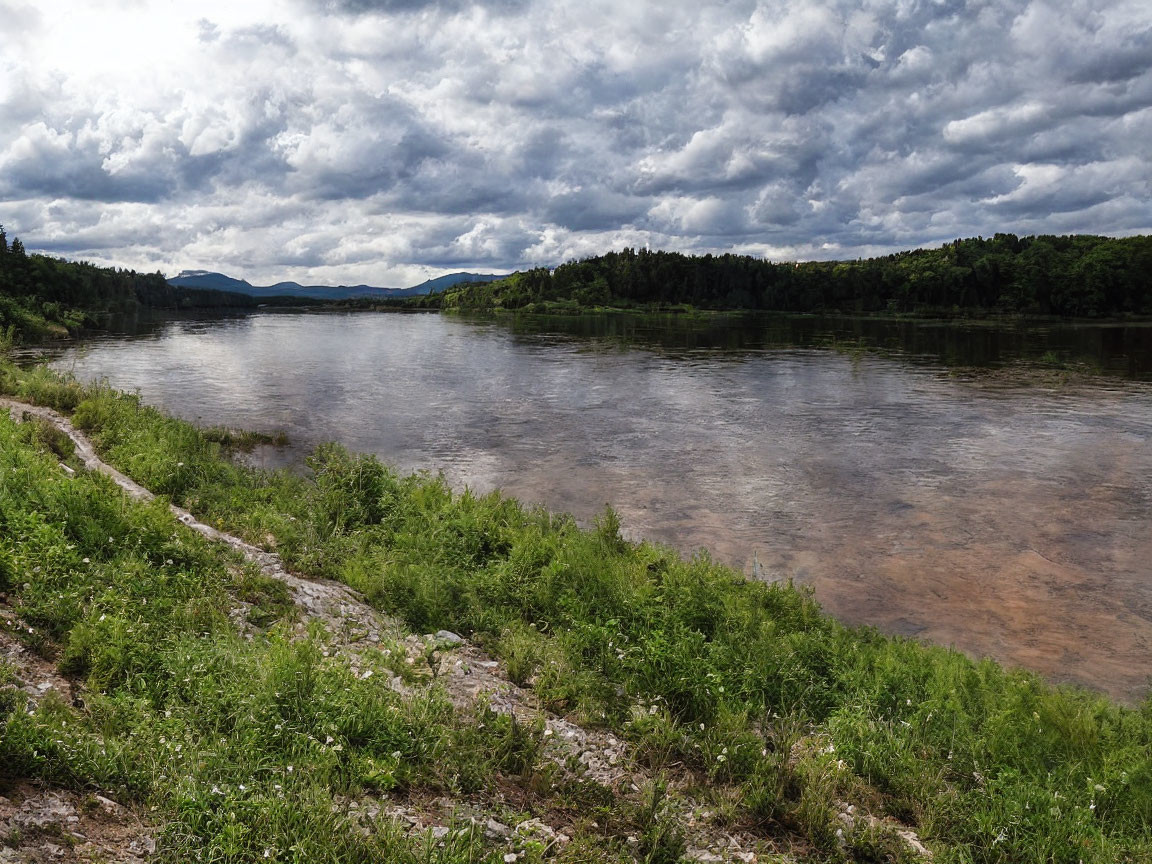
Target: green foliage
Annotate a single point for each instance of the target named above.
(47, 298)
(247, 749)
(744, 685)
(660, 840)
(48, 437)
(42, 386)
(1075, 276)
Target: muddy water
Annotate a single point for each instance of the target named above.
(1007, 514)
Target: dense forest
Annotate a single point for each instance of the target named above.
(1074, 276)
(43, 297)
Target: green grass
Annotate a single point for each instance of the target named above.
(744, 687)
(246, 749)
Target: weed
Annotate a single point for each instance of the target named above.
(740, 684)
(660, 839)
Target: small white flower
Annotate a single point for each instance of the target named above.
(86, 561)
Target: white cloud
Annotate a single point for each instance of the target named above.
(385, 140)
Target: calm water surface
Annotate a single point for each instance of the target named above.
(1007, 517)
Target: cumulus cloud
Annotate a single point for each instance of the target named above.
(384, 141)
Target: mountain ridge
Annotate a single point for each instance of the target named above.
(212, 280)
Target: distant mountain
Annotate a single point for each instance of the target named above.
(440, 283)
(220, 282)
(212, 281)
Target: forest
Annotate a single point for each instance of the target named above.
(1075, 276)
(44, 297)
(1078, 276)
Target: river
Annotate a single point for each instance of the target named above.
(948, 482)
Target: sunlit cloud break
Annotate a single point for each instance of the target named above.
(352, 141)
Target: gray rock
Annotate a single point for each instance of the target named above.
(494, 830)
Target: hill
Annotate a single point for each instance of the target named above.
(1071, 276)
(44, 297)
(206, 279)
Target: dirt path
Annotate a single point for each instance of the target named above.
(466, 674)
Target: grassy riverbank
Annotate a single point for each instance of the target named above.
(741, 694)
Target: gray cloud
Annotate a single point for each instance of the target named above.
(385, 140)
(394, 7)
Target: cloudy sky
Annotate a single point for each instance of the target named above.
(384, 141)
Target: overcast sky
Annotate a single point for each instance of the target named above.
(384, 141)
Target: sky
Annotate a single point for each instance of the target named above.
(387, 141)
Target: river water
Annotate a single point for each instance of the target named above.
(931, 480)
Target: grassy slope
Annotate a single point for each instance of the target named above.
(744, 684)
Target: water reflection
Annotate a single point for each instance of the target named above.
(1008, 520)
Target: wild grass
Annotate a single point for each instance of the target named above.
(245, 748)
(743, 686)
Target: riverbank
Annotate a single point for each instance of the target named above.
(1001, 514)
(738, 697)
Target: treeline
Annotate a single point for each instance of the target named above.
(42, 297)
(1072, 276)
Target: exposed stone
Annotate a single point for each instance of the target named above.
(38, 826)
(494, 830)
(540, 832)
